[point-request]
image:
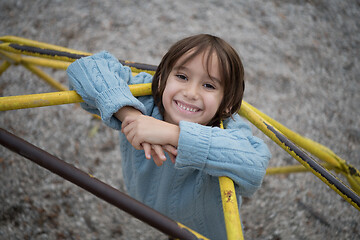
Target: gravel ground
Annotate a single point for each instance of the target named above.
(302, 68)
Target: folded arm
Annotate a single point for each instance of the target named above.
(233, 152)
(150, 134)
(102, 81)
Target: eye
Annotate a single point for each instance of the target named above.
(181, 76)
(209, 86)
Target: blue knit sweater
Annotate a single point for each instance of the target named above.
(187, 191)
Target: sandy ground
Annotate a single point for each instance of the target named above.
(302, 68)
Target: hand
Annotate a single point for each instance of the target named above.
(140, 129)
(152, 135)
(172, 151)
(157, 152)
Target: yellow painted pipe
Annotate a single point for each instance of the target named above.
(311, 146)
(29, 42)
(292, 169)
(38, 100)
(51, 81)
(43, 62)
(260, 123)
(45, 46)
(198, 235)
(13, 58)
(300, 168)
(29, 62)
(57, 98)
(318, 150)
(5, 65)
(230, 207)
(9, 48)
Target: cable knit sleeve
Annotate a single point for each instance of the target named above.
(102, 81)
(233, 152)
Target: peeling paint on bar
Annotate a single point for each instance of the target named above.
(45, 52)
(317, 169)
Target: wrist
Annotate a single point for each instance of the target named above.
(126, 111)
(174, 132)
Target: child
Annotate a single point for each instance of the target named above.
(199, 83)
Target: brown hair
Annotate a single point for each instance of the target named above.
(230, 65)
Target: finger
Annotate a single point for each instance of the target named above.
(147, 150)
(170, 149)
(125, 123)
(158, 154)
(157, 160)
(159, 151)
(130, 134)
(126, 126)
(172, 158)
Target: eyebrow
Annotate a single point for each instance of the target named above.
(215, 79)
(181, 67)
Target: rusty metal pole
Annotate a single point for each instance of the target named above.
(97, 187)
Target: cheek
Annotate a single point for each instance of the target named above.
(167, 97)
(165, 93)
(215, 101)
(163, 98)
(169, 90)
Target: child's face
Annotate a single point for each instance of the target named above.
(190, 93)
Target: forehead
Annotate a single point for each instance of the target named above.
(207, 60)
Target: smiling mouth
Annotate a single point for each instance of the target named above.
(187, 107)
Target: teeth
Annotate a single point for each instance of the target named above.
(186, 108)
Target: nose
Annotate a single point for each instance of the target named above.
(191, 91)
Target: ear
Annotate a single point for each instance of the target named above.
(227, 111)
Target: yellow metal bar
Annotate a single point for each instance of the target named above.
(38, 100)
(318, 150)
(63, 56)
(43, 50)
(354, 182)
(17, 58)
(264, 127)
(230, 207)
(197, 235)
(10, 57)
(135, 70)
(26, 62)
(25, 41)
(5, 65)
(57, 64)
(46, 62)
(314, 148)
(57, 98)
(292, 169)
(45, 77)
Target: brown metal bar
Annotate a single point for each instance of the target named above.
(97, 187)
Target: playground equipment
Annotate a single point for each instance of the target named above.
(30, 54)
